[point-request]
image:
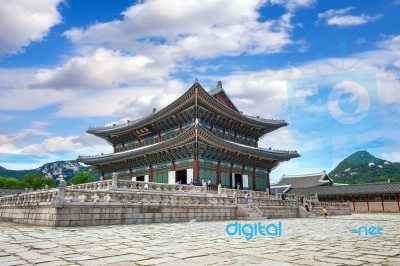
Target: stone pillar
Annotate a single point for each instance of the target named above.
(61, 191)
(205, 187)
(114, 182)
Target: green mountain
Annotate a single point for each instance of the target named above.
(66, 169)
(362, 167)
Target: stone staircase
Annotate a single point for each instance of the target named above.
(304, 214)
(251, 213)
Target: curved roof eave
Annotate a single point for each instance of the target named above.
(259, 152)
(256, 121)
(117, 129)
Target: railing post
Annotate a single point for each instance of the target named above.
(61, 192)
(114, 182)
(219, 189)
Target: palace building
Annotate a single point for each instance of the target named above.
(200, 136)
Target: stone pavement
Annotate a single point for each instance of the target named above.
(316, 241)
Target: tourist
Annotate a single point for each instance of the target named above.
(238, 186)
(246, 198)
(146, 186)
(325, 211)
(137, 185)
(209, 184)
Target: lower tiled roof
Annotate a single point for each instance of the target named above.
(379, 188)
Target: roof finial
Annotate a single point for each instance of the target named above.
(219, 84)
(196, 81)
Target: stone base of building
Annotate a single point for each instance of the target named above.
(115, 203)
(94, 214)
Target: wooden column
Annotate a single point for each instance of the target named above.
(256, 143)
(268, 183)
(398, 200)
(340, 199)
(219, 170)
(151, 175)
(114, 149)
(130, 173)
(196, 169)
(230, 175)
(254, 178)
(367, 200)
(383, 207)
(354, 202)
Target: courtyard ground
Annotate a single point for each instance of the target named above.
(359, 239)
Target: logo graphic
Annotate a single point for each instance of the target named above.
(368, 231)
(252, 230)
(334, 110)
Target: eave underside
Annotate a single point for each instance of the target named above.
(194, 143)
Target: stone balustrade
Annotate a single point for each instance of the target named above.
(115, 190)
(240, 193)
(144, 197)
(42, 197)
(122, 191)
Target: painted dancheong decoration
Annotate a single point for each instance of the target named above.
(201, 136)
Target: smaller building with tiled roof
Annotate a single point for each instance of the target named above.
(308, 180)
(359, 189)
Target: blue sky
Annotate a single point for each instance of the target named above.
(330, 68)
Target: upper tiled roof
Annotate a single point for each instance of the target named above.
(182, 103)
(386, 188)
(310, 180)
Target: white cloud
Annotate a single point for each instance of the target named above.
(100, 69)
(6, 145)
(341, 18)
(294, 4)
(392, 156)
(53, 145)
(30, 99)
(24, 21)
(189, 28)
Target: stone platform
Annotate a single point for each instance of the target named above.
(195, 244)
(116, 201)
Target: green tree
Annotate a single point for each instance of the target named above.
(84, 177)
(37, 181)
(381, 178)
(9, 182)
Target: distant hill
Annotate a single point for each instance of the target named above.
(362, 167)
(53, 170)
